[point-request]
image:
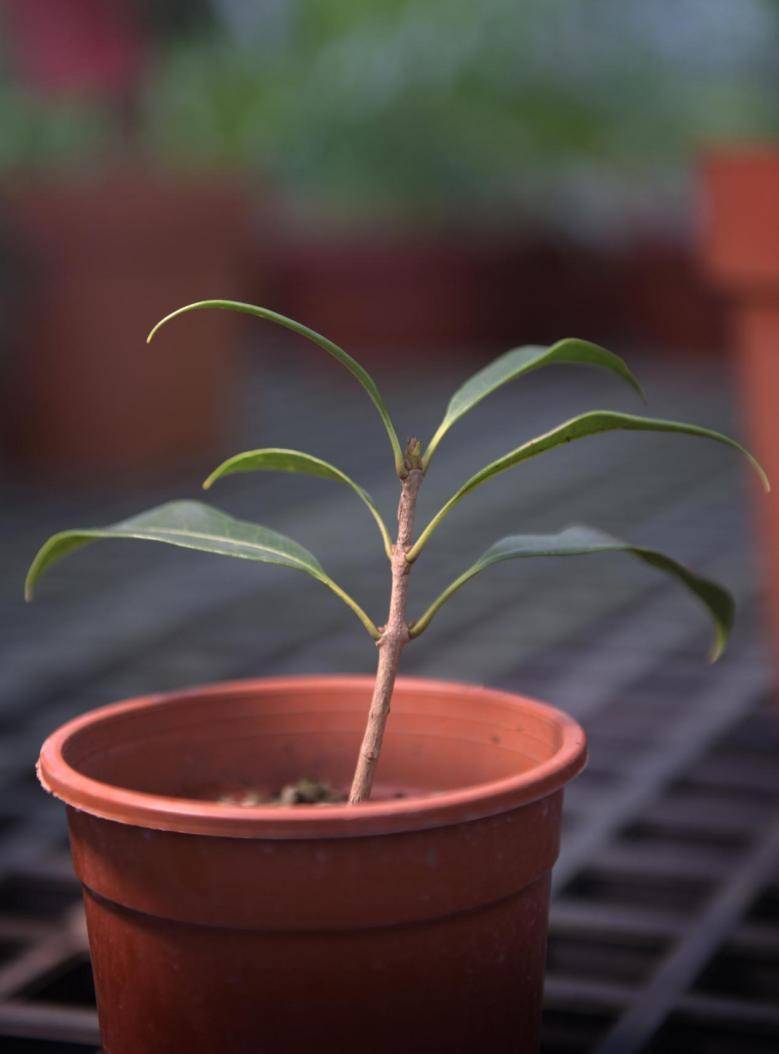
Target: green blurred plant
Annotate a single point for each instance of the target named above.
(434, 109)
(193, 525)
(46, 136)
(443, 107)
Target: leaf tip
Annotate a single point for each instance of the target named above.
(153, 331)
(761, 473)
(758, 469)
(722, 629)
(636, 385)
(211, 479)
(173, 314)
(717, 649)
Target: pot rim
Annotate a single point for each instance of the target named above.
(194, 816)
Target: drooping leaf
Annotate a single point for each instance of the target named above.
(337, 353)
(515, 364)
(579, 541)
(193, 525)
(276, 459)
(578, 428)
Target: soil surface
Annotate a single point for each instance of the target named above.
(304, 791)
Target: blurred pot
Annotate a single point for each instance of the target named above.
(667, 304)
(406, 296)
(381, 294)
(741, 249)
(411, 923)
(105, 258)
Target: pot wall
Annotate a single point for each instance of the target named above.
(414, 924)
(297, 945)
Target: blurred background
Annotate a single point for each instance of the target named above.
(421, 178)
(427, 182)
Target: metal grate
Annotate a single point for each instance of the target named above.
(666, 934)
(665, 922)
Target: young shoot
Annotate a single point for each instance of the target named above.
(194, 525)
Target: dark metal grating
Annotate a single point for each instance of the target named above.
(665, 922)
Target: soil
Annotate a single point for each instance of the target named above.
(304, 791)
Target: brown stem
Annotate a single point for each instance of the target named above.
(394, 638)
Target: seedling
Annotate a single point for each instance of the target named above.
(193, 525)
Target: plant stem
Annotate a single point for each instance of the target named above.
(394, 637)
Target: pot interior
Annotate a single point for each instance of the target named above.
(202, 744)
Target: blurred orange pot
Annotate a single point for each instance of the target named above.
(103, 259)
(385, 294)
(741, 249)
(411, 923)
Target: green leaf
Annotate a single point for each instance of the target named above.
(578, 541)
(518, 362)
(577, 428)
(192, 525)
(275, 459)
(337, 353)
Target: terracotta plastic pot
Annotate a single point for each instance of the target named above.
(412, 924)
(741, 250)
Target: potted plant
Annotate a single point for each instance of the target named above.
(87, 402)
(264, 869)
(739, 247)
(83, 206)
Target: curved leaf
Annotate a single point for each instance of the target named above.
(192, 525)
(337, 353)
(578, 541)
(276, 459)
(518, 362)
(578, 428)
